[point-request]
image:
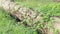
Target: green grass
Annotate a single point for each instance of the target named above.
(47, 7)
(8, 25)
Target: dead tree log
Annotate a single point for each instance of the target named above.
(23, 13)
(18, 11)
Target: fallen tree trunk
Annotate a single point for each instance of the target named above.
(22, 13)
(18, 11)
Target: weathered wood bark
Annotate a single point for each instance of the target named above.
(23, 13)
(18, 11)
